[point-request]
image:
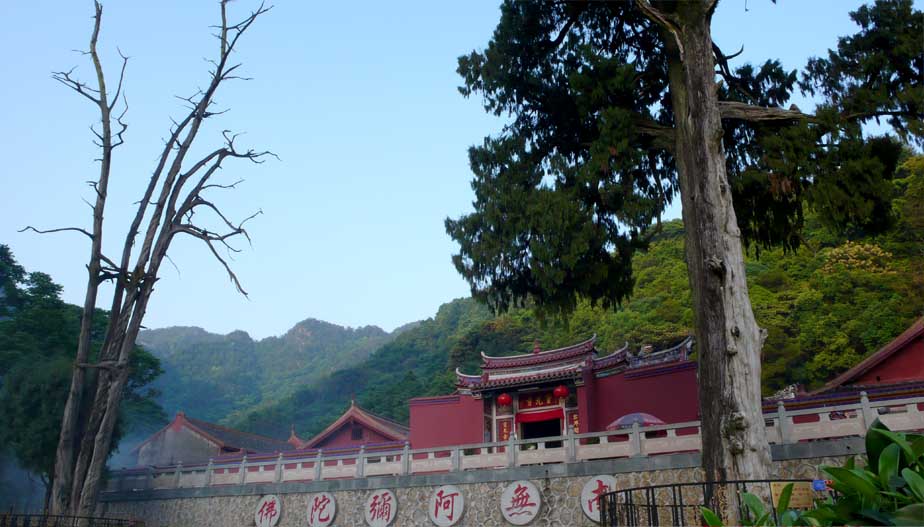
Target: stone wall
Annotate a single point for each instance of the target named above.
(560, 487)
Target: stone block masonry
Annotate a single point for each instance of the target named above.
(560, 486)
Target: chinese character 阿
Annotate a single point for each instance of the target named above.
(267, 511)
(319, 509)
(597, 492)
(445, 503)
(520, 501)
(380, 508)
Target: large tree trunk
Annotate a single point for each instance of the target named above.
(67, 440)
(728, 339)
(87, 427)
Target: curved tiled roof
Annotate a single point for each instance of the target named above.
(390, 429)
(230, 438)
(612, 359)
(526, 379)
(542, 357)
(222, 436)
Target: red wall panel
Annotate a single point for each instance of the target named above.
(343, 438)
(904, 365)
(668, 392)
(446, 421)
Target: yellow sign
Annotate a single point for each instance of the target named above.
(801, 498)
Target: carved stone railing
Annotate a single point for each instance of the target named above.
(783, 426)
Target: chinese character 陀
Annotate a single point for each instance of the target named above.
(319, 509)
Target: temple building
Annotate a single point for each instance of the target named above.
(545, 393)
(355, 428)
(187, 440)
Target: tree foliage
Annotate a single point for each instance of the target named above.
(570, 189)
(37, 342)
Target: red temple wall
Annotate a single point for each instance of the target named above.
(906, 364)
(445, 421)
(344, 438)
(668, 392)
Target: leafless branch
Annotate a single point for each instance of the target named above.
(62, 229)
(115, 98)
(64, 77)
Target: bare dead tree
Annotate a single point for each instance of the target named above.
(175, 193)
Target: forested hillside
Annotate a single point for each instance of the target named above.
(214, 376)
(825, 306)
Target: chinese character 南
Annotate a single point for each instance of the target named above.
(601, 489)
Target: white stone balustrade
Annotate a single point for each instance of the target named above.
(783, 426)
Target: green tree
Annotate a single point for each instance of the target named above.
(36, 355)
(614, 107)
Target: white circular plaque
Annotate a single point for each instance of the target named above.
(322, 507)
(592, 491)
(269, 509)
(446, 506)
(381, 508)
(520, 502)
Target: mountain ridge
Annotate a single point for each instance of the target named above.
(212, 376)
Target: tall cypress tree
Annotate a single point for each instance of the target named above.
(617, 106)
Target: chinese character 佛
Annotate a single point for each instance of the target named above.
(267, 511)
(445, 504)
(520, 502)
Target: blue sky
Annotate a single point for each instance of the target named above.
(359, 101)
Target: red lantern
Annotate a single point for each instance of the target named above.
(560, 391)
(504, 399)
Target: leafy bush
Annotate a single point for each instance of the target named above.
(889, 490)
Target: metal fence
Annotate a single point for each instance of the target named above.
(48, 520)
(680, 503)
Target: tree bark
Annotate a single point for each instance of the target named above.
(65, 454)
(87, 426)
(728, 339)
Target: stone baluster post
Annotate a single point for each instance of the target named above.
(278, 476)
(511, 451)
(361, 462)
(570, 445)
(638, 449)
(868, 414)
(406, 459)
(149, 478)
(783, 423)
(318, 464)
(456, 459)
(208, 473)
(242, 473)
(176, 475)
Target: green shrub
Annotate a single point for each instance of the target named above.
(888, 490)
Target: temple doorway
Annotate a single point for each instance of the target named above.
(548, 428)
